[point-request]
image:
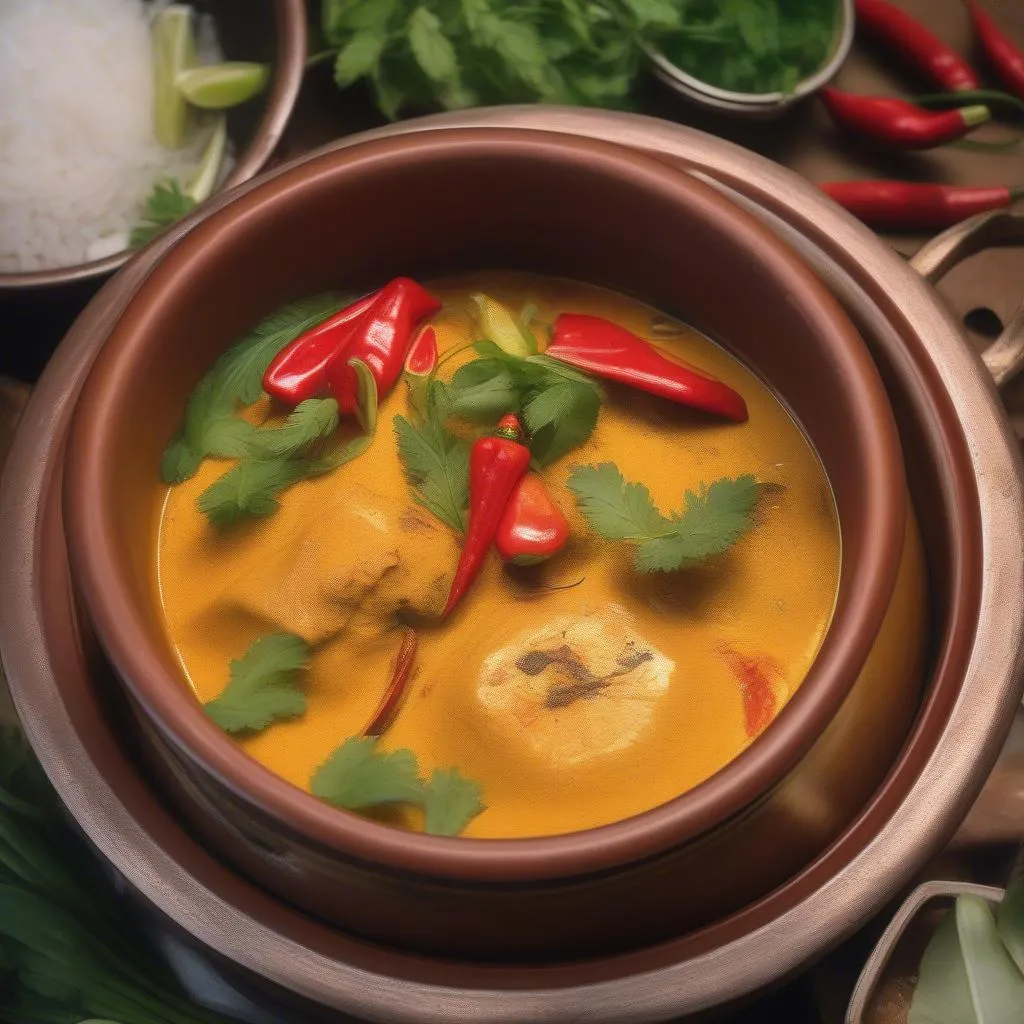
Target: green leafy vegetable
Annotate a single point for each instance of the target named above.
(560, 417)
(262, 685)
(165, 205)
(310, 421)
(712, 520)
(357, 776)
(252, 487)
(943, 993)
(1010, 916)
(69, 950)
(451, 802)
(997, 987)
(436, 464)
(211, 426)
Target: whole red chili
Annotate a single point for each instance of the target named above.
(916, 44)
(380, 338)
(607, 350)
(1006, 59)
(386, 710)
(496, 465)
(299, 370)
(909, 205)
(532, 527)
(899, 123)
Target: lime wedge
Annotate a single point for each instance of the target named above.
(219, 86)
(173, 52)
(205, 179)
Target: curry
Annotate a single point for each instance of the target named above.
(588, 671)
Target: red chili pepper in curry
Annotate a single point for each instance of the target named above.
(299, 370)
(909, 205)
(387, 709)
(532, 527)
(899, 123)
(1006, 59)
(496, 464)
(914, 43)
(380, 338)
(607, 350)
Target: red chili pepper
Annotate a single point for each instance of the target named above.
(1006, 59)
(388, 706)
(299, 370)
(380, 339)
(422, 358)
(496, 465)
(908, 205)
(916, 44)
(755, 687)
(607, 350)
(533, 527)
(899, 123)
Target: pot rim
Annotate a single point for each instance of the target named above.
(933, 781)
(290, 26)
(866, 586)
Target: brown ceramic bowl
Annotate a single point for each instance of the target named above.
(515, 199)
(278, 36)
(968, 495)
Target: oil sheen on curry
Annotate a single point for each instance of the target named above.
(495, 556)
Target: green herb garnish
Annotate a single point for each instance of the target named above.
(712, 520)
(359, 777)
(262, 685)
(70, 949)
(436, 464)
(165, 205)
(252, 487)
(211, 427)
(451, 802)
(310, 421)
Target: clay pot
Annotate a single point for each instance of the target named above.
(576, 208)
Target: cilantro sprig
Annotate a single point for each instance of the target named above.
(263, 685)
(165, 205)
(359, 776)
(212, 427)
(712, 520)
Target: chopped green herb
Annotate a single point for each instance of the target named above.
(437, 466)
(712, 520)
(358, 776)
(165, 205)
(451, 802)
(211, 426)
(262, 685)
(310, 421)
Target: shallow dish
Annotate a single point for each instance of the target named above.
(280, 38)
(520, 200)
(966, 711)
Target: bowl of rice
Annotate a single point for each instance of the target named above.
(115, 121)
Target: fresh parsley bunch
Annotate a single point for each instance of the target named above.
(423, 54)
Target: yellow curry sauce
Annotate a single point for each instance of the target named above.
(350, 555)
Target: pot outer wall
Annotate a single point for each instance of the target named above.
(650, 900)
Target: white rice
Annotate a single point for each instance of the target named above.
(77, 151)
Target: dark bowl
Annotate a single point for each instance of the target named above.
(515, 199)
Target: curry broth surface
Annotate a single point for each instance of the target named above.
(346, 551)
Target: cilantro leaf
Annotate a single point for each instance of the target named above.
(211, 427)
(437, 465)
(559, 418)
(261, 688)
(482, 390)
(357, 776)
(250, 489)
(451, 802)
(310, 421)
(712, 520)
(431, 47)
(358, 57)
(614, 508)
(164, 205)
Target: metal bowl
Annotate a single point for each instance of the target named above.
(759, 106)
(966, 475)
(287, 39)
